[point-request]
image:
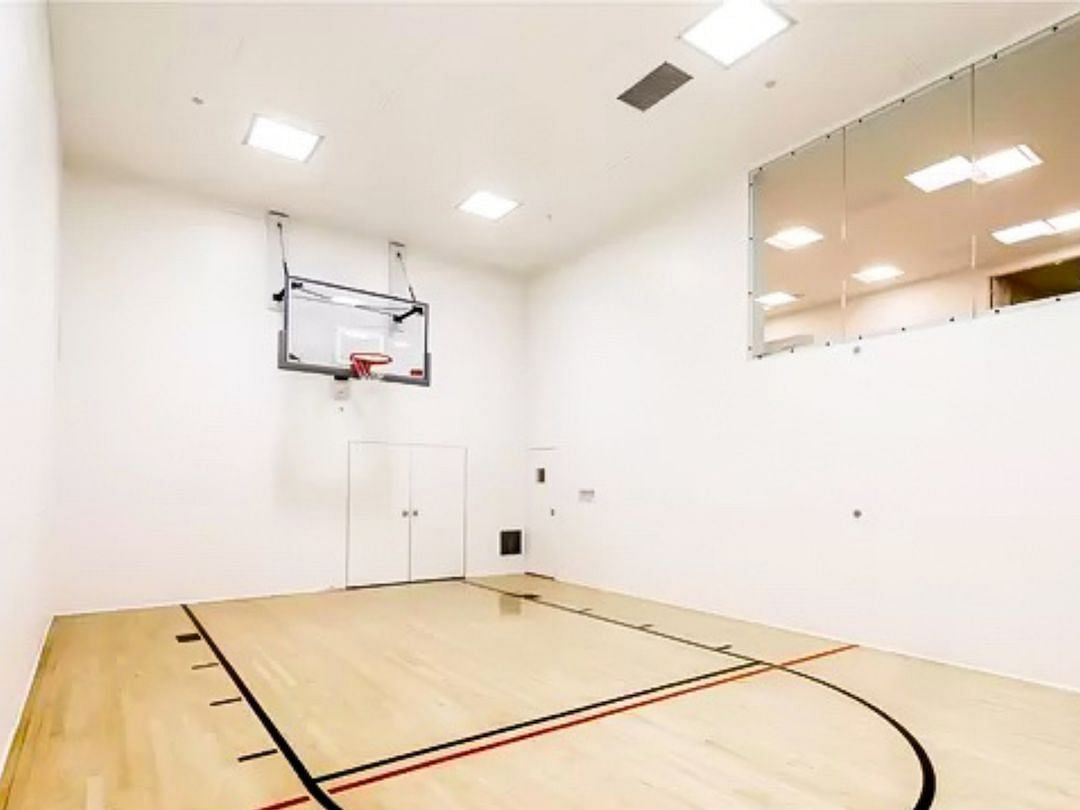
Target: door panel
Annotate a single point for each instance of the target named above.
(541, 537)
(438, 507)
(378, 514)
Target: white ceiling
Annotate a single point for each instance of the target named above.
(422, 104)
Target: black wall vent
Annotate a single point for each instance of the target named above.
(658, 85)
(510, 541)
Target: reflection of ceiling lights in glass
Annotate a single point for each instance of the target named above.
(1009, 161)
(1039, 227)
(1022, 233)
(877, 273)
(776, 299)
(792, 238)
(1065, 222)
(734, 29)
(941, 175)
(986, 169)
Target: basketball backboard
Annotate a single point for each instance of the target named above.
(326, 324)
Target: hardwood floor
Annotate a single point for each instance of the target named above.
(457, 695)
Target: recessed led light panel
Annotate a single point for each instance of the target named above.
(796, 237)
(1022, 233)
(1007, 162)
(1065, 222)
(877, 273)
(941, 175)
(776, 299)
(281, 139)
(735, 29)
(488, 205)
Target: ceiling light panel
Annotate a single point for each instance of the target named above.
(1065, 222)
(941, 175)
(1007, 162)
(877, 273)
(793, 238)
(1022, 233)
(281, 139)
(776, 299)
(735, 29)
(488, 205)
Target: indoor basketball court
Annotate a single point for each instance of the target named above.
(515, 690)
(540, 405)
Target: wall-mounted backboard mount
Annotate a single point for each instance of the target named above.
(326, 323)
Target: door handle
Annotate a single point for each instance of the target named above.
(404, 512)
(416, 513)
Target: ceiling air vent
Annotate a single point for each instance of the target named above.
(659, 84)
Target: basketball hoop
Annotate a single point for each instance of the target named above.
(363, 362)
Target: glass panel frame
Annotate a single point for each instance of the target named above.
(940, 236)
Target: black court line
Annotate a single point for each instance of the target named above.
(926, 766)
(256, 755)
(207, 665)
(404, 582)
(302, 773)
(225, 701)
(305, 776)
(929, 778)
(536, 721)
(589, 614)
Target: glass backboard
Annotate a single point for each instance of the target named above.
(325, 324)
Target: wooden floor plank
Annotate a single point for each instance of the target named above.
(120, 717)
(119, 720)
(362, 675)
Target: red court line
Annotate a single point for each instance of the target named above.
(286, 803)
(577, 721)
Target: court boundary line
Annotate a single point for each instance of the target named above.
(535, 721)
(750, 667)
(310, 785)
(403, 582)
(743, 672)
(928, 788)
(753, 671)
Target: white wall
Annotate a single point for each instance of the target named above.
(29, 191)
(729, 484)
(189, 466)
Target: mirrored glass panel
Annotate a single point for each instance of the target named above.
(909, 204)
(798, 229)
(1027, 163)
(957, 200)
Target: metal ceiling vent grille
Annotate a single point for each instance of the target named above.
(659, 84)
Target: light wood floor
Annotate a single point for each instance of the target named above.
(467, 695)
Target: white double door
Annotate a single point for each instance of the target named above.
(406, 513)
